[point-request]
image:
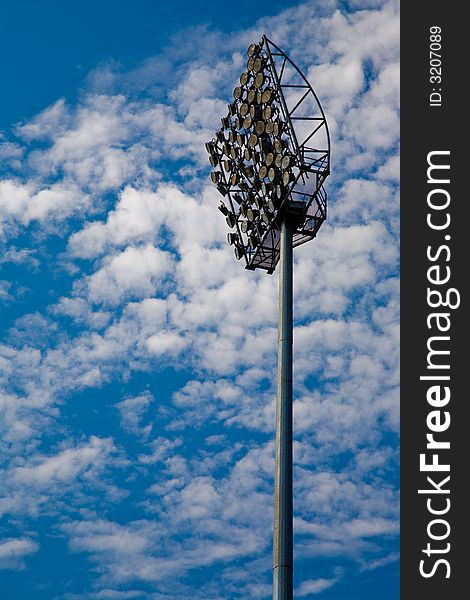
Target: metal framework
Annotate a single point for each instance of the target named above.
(272, 153)
(270, 159)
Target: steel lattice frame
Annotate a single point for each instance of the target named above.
(271, 157)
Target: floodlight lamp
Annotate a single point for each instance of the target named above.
(258, 202)
(231, 220)
(244, 78)
(257, 64)
(232, 238)
(245, 226)
(247, 122)
(287, 177)
(239, 252)
(251, 97)
(223, 209)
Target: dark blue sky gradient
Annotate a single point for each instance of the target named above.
(47, 47)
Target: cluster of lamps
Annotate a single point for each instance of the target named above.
(253, 156)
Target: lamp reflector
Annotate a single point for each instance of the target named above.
(239, 252)
(259, 127)
(257, 65)
(247, 122)
(252, 50)
(223, 209)
(259, 79)
(285, 162)
(244, 77)
(231, 220)
(266, 97)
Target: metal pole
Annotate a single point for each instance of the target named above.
(283, 515)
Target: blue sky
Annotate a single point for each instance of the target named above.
(137, 359)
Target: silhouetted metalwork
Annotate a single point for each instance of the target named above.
(273, 149)
(270, 159)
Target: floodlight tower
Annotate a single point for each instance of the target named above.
(270, 159)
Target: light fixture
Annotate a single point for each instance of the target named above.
(270, 161)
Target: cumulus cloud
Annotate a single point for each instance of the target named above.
(135, 272)
(59, 482)
(65, 466)
(132, 412)
(25, 203)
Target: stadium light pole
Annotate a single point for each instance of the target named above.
(270, 159)
(283, 492)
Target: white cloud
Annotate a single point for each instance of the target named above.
(314, 586)
(14, 550)
(20, 256)
(118, 595)
(132, 411)
(101, 536)
(10, 154)
(139, 216)
(65, 466)
(21, 204)
(5, 285)
(135, 272)
(48, 123)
